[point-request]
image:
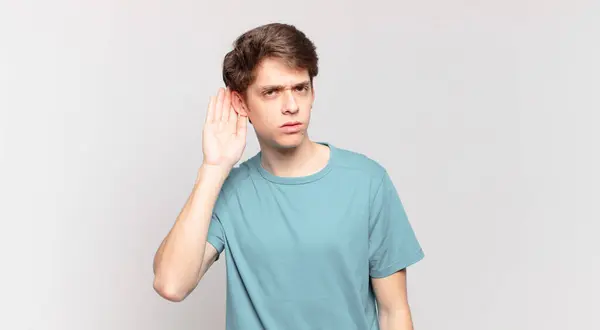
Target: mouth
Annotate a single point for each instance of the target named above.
(291, 127)
(291, 124)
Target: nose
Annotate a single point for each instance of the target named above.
(290, 104)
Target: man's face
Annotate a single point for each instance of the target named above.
(279, 104)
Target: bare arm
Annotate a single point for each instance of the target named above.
(392, 302)
(210, 256)
(184, 255)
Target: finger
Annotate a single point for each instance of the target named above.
(226, 106)
(210, 112)
(242, 126)
(231, 123)
(219, 105)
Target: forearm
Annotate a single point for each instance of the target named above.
(399, 319)
(179, 258)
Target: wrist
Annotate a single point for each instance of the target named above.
(213, 172)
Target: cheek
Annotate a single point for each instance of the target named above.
(306, 110)
(263, 116)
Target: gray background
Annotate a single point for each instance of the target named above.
(484, 113)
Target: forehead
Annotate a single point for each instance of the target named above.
(273, 71)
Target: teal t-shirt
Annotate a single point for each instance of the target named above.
(300, 251)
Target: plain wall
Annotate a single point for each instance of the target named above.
(484, 113)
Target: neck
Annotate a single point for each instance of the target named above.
(306, 159)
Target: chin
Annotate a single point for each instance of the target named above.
(288, 141)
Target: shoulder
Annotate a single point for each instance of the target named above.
(359, 163)
(236, 178)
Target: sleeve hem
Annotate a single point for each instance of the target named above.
(399, 265)
(216, 243)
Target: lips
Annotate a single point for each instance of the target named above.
(291, 124)
(291, 127)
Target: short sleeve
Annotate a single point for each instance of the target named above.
(393, 244)
(216, 234)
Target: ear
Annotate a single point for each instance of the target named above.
(238, 104)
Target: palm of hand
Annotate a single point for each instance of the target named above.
(224, 134)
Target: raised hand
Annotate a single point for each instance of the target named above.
(224, 134)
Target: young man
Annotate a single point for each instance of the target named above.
(315, 236)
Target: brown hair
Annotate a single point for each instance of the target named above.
(276, 40)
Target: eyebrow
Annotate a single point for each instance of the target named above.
(280, 87)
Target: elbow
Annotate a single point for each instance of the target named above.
(170, 290)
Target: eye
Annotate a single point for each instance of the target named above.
(302, 88)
